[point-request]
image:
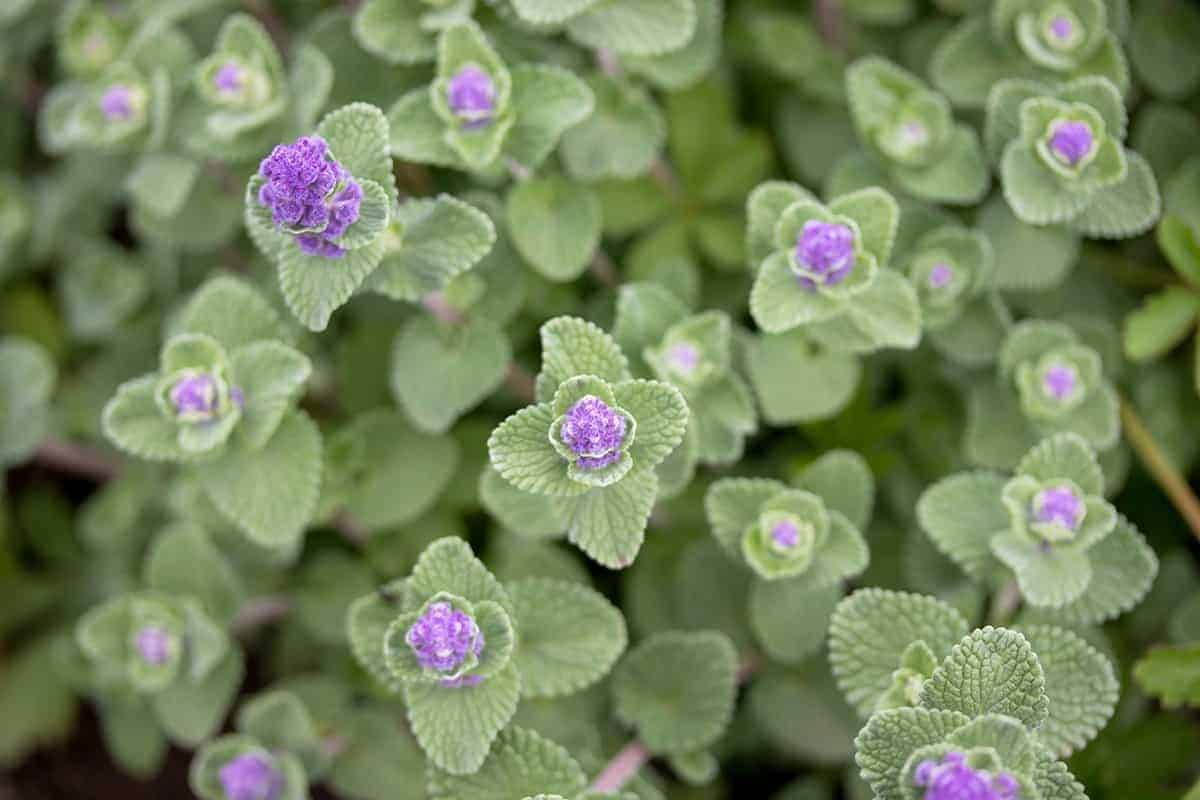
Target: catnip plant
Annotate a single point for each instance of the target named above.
(580, 399)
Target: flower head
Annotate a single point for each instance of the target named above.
(1060, 381)
(154, 645)
(443, 637)
(1058, 508)
(471, 95)
(954, 779)
(1061, 27)
(940, 275)
(251, 777)
(230, 77)
(310, 194)
(195, 396)
(1071, 141)
(825, 251)
(785, 534)
(594, 431)
(117, 103)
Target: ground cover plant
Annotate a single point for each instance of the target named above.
(565, 399)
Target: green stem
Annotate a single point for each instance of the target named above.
(1164, 473)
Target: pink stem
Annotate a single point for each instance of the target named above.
(622, 768)
(76, 459)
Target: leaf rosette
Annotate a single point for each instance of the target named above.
(951, 268)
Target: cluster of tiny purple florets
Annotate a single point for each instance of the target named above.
(443, 636)
(302, 191)
(117, 103)
(785, 534)
(250, 777)
(229, 77)
(954, 779)
(195, 396)
(1059, 381)
(825, 251)
(1072, 141)
(594, 431)
(1058, 505)
(471, 95)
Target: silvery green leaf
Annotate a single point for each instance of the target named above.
(440, 372)
(991, 671)
(192, 711)
(133, 422)
(870, 631)
(281, 722)
(324, 588)
(417, 133)
(378, 756)
(555, 225)
(27, 377)
(521, 452)
(569, 636)
(183, 560)
(1080, 683)
(1164, 135)
(1127, 208)
(1048, 579)
(358, 137)
(1160, 51)
(764, 207)
(311, 79)
(231, 311)
(883, 747)
(436, 239)
(959, 177)
(402, 31)
(960, 514)
(634, 28)
(644, 314)
(270, 376)
(677, 689)
(621, 138)
(682, 68)
(205, 773)
(132, 737)
(547, 101)
(162, 181)
(367, 622)
(521, 763)
(609, 523)
(790, 618)
(843, 479)
(38, 705)
(661, 414)
(456, 726)
(1033, 192)
(550, 12)
(732, 505)
(886, 315)
(997, 432)
(796, 381)
(571, 347)
(1163, 321)
(974, 338)
(1064, 455)
(100, 290)
(449, 565)
(270, 493)
(314, 287)
(1123, 568)
(802, 713)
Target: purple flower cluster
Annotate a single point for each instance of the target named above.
(594, 431)
(471, 95)
(940, 275)
(443, 637)
(229, 77)
(825, 250)
(117, 103)
(250, 777)
(785, 534)
(309, 191)
(953, 779)
(1071, 141)
(195, 396)
(154, 645)
(1059, 381)
(1058, 505)
(1061, 28)
(683, 357)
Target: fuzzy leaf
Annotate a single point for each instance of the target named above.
(992, 671)
(231, 311)
(636, 28)
(572, 347)
(521, 763)
(448, 565)
(677, 690)
(890, 737)
(620, 139)
(27, 376)
(1127, 208)
(555, 224)
(1123, 568)
(569, 636)
(1171, 674)
(790, 617)
(732, 505)
(1027, 257)
(960, 514)
(456, 726)
(798, 382)
(270, 376)
(192, 712)
(314, 287)
(183, 560)
(547, 102)
(609, 523)
(662, 417)
(520, 450)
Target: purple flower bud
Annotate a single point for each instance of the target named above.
(1071, 141)
(229, 77)
(117, 103)
(785, 534)
(825, 250)
(195, 396)
(443, 637)
(683, 358)
(1060, 381)
(154, 645)
(471, 95)
(953, 779)
(594, 431)
(251, 777)
(302, 190)
(1061, 27)
(940, 275)
(1058, 505)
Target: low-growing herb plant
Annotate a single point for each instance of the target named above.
(570, 399)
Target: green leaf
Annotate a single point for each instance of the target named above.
(886, 315)
(521, 763)
(456, 726)
(448, 565)
(645, 312)
(1171, 674)
(440, 373)
(358, 137)
(1123, 569)
(1052, 578)
(569, 636)
(37, 705)
(1080, 683)
(550, 12)
(870, 632)
(764, 207)
(270, 493)
(572, 347)
(271, 377)
(677, 690)
(1177, 241)
(991, 671)
(231, 311)
(520, 450)
(555, 225)
(396, 31)
(636, 28)
(661, 414)
(547, 101)
(877, 216)
(960, 514)
(314, 286)
(133, 422)
(101, 290)
(438, 239)
(367, 622)
(27, 377)
(609, 523)
(790, 617)
(280, 721)
(1027, 257)
(417, 133)
(890, 737)
(682, 68)
(959, 176)
(1127, 208)
(1161, 51)
(779, 303)
(1034, 192)
(132, 737)
(192, 712)
(183, 560)
(795, 381)
(621, 138)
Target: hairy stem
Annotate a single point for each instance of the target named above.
(829, 23)
(260, 611)
(75, 459)
(621, 769)
(1005, 604)
(435, 303)
(604, 270)
(1164, 473)
(521, 383)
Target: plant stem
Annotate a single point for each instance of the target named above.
(604, 270)
(1164, 473)
(520, 383)
(76, 459)
(829, 23)
(260, 611)
(1005, 603)
(435, 303)
(623, 766)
